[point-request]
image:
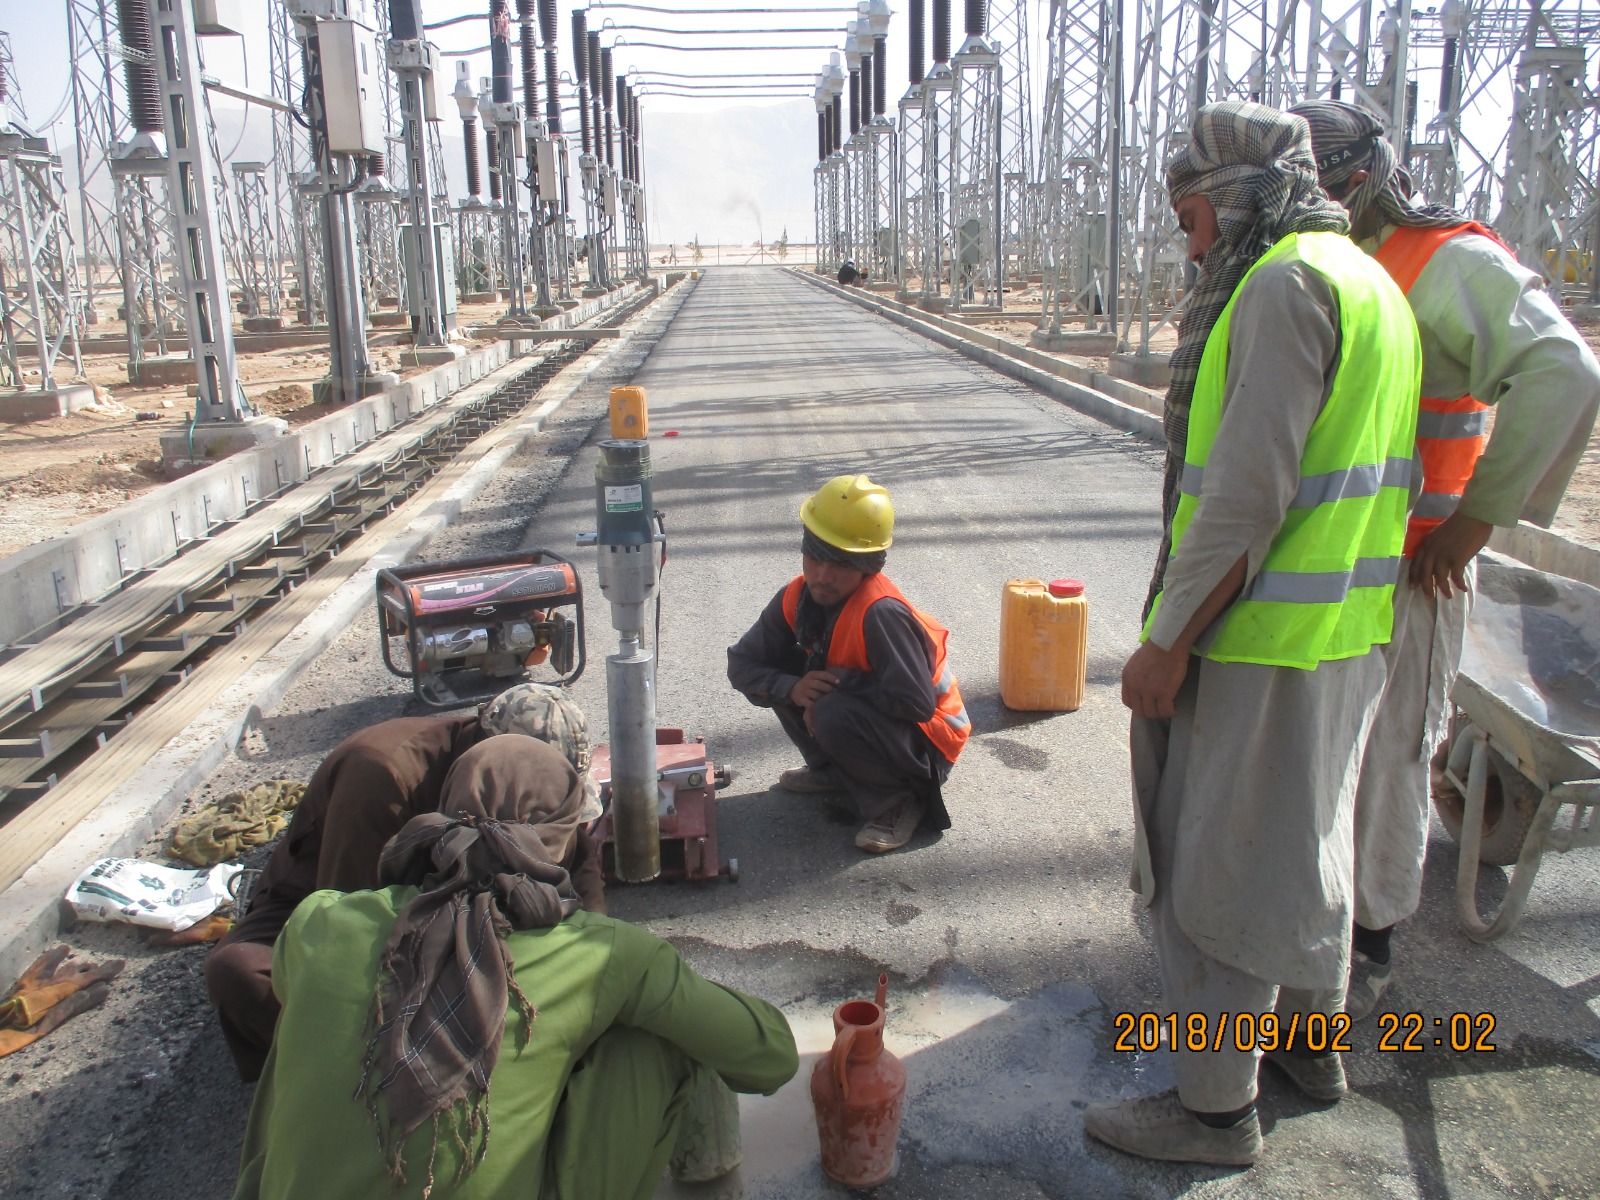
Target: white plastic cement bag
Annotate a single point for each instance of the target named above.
(145, 893)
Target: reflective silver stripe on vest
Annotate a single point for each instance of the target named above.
(958, 720)
(944, 681)
(1452, 424)
(1435, 506)
(1321, 587)
(1352, 483)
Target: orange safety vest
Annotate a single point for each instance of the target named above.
(949, 726)
(1451, 434)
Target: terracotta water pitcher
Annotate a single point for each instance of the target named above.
(857, 1089)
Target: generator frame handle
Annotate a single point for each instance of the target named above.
(398, 576)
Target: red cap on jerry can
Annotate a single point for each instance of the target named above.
(1066, 587)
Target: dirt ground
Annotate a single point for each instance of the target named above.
(56, 473)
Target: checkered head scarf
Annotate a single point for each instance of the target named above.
(1347, 139)
(1254, 164)
(486, 863)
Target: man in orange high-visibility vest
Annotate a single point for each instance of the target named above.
(1491, 336)
(858, 678)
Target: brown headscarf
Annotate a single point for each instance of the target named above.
(486, 863)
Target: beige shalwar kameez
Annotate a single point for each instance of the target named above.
(1244, 800)
(1488, 330)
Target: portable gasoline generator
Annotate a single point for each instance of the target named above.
(473, 628)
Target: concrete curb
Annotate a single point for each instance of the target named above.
(1114, 402)
(31, 910)
(91, 561)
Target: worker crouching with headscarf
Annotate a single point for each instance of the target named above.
(1491, 336)
(360, 796)
(1257, 677)
(470, 985)
(859, 680)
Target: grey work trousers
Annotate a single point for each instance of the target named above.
(882, 761)
(1193, 981)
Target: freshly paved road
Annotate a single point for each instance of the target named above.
(1011, 940)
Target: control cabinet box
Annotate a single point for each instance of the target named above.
(351, 89)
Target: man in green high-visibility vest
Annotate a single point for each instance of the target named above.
(1257, 678)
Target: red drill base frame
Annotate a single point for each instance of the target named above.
(687, 811)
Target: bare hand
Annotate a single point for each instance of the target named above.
(811, 687)
(1441, 558)
(1151, 679)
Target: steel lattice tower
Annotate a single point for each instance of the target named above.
(1075, 227)
(1021, 240)
(41, 296)
(260, 274)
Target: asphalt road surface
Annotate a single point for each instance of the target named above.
(1011, 940)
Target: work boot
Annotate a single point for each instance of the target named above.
(810, 781)
(891, 830)
(1319, 1076)
(1161, 1127)
(1368, 981)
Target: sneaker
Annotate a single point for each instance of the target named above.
(1161, 1127)
(1368, 982)
(1319, 1076)
(892, 830)
(810, 780)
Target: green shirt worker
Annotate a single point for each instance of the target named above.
(472, 986)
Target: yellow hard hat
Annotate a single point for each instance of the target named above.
(852, 513)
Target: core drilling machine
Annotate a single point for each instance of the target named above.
(660, 789)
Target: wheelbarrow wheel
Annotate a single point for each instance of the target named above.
(1510, 801)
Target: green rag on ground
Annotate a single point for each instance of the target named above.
(225, 830)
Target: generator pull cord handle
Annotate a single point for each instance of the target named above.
(655, 645)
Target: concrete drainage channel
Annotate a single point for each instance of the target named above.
(234, 621)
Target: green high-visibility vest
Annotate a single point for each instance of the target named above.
(1326, 587)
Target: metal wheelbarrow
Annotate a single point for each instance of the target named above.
(1525, 740)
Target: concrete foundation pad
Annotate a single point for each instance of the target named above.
(1082, 341)
(933, 304)
(431, 356)
(1147, 370)
(367, 385)
(387, 320)
(567, 305)
(589, 293)
(262, 324)
(882, 285)
(479, 297)
(211, 440)
(163, 370)
(42, 405)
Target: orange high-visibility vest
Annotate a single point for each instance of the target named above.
(949, 726)
(1451, 434)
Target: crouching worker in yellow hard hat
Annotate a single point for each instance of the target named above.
(857, 677)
